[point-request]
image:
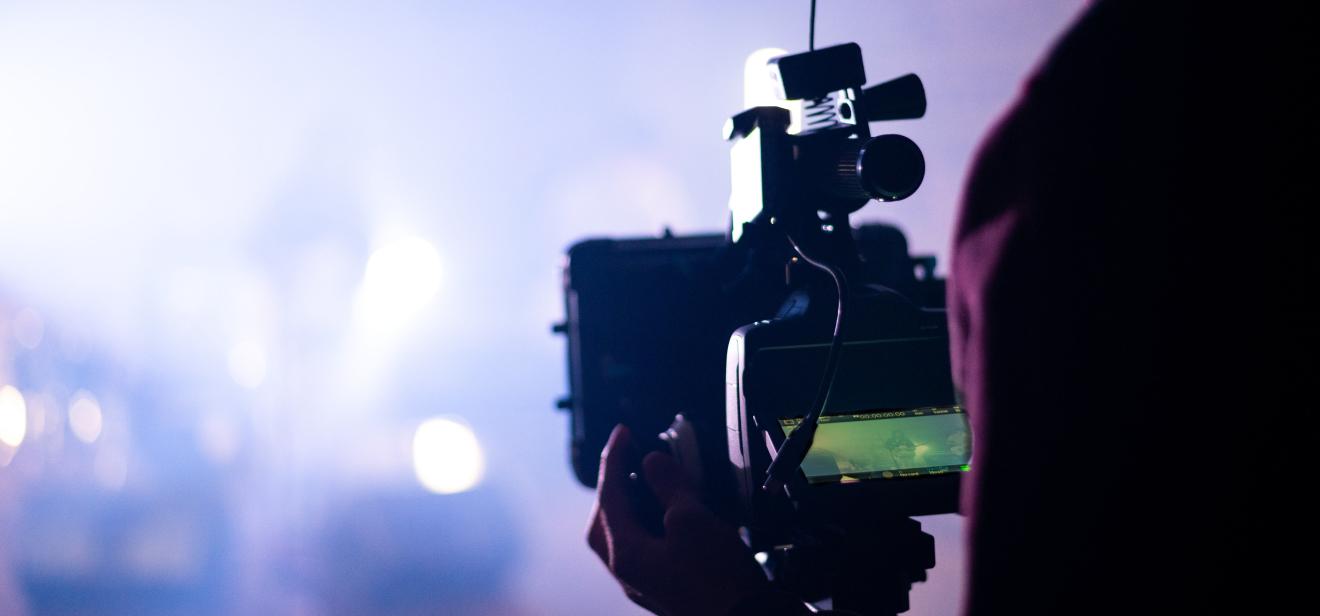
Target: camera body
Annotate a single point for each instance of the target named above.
(648, 327)
(654, 323)
(893, 438)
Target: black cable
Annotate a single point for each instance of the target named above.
(794, 450)
(811, 30)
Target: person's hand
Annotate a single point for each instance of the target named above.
(698, 565)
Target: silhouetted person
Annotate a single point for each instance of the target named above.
(1077, 339)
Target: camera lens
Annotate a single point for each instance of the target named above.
(885, 168)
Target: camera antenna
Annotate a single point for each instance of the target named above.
(811, 28)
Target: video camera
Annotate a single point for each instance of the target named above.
(797, 367)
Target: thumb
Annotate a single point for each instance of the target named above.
(667, 479)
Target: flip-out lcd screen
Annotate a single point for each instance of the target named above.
(887, 444)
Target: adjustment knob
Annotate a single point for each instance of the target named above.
(885, 168)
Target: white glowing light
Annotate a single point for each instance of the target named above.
(762, 89)
(759, 88)
(13, 416)
(447, 457)
(247, 364)
(85, 417)
(400, 279)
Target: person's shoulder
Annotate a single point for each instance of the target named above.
(1115, 48)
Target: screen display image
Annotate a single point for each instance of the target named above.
(887, 444)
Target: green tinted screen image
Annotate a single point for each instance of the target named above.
(887, 444)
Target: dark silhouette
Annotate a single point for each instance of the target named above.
(1079, 349)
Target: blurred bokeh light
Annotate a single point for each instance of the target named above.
(401, 279)
(446, 456)
(13, 417)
